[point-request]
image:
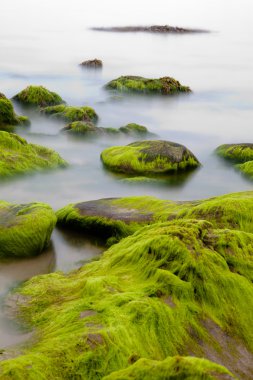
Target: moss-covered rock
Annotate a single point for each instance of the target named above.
(82, 128)
(172, 368)
(134, 129)
(25, 230)
(17, 156)
(70, 114)
(8, 118)
(149, 158)
(241, 155)
(165, 85)
(92, 64)
(179, 286)
(38, 96)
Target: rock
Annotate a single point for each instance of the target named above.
(17, 156)
(92, 64)
(38, 96)
(149, 157)
(241, 155)
(174, 294)
(82, 128)
(134, 129)
(69, 113)
(25, 230)
(150, 29)
(165, 85)
(8, 118)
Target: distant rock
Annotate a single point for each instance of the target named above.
(132, 83)
(150, 29)
(93, 64)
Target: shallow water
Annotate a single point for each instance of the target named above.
(43, 42)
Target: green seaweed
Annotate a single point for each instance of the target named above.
(8, 118)
(172, 368)
(181, 285)
(165, 85)
(133, 128)
(70, 113)
(17, 156)
(38, 96)
(149, 157)
(25, 230)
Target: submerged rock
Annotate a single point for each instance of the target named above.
(172, 292)
(25, 230)
(93, 64)
(150, 29)
(17, 156)
(38, 96)
(149, 157)
(8, 118)
(165, 85)
(241, 155)
(88, 128)
(70, 113)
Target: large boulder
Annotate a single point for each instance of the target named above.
(241, 155)
(25, 229)
(171, 293)
(149, 157)
(8, 117)
(165, 85)
(18, 156)
(70, 113)
(38, 96)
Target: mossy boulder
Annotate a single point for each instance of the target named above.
(180, 286)
(70, 114)
(82, 128)
(8, 118)
(241, 155)
(134, 129)
(149, 158)
(92, 64)
(165, 85)
(173, 368)
(25, 230)
(17, 156)
(38, 96)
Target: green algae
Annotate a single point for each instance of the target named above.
(17, 156)
(38, 96)
(87, 127)
(8, 118)
(158, 293)
(241, 155)
(70, 113)
(174, 368)
(165, 85)
(25, 230)
(149, 157)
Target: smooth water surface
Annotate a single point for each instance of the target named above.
(42, 43)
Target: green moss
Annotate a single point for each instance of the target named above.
(165, 85)
(241, 155)
(8, 118)
(149, 157)
(38, 96)
(133, 128)
(174, 368)
(180, 286)
(25, 230)
(81, 127)
(17, 156)
(70, 114)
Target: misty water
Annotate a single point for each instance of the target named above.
(42, 43)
